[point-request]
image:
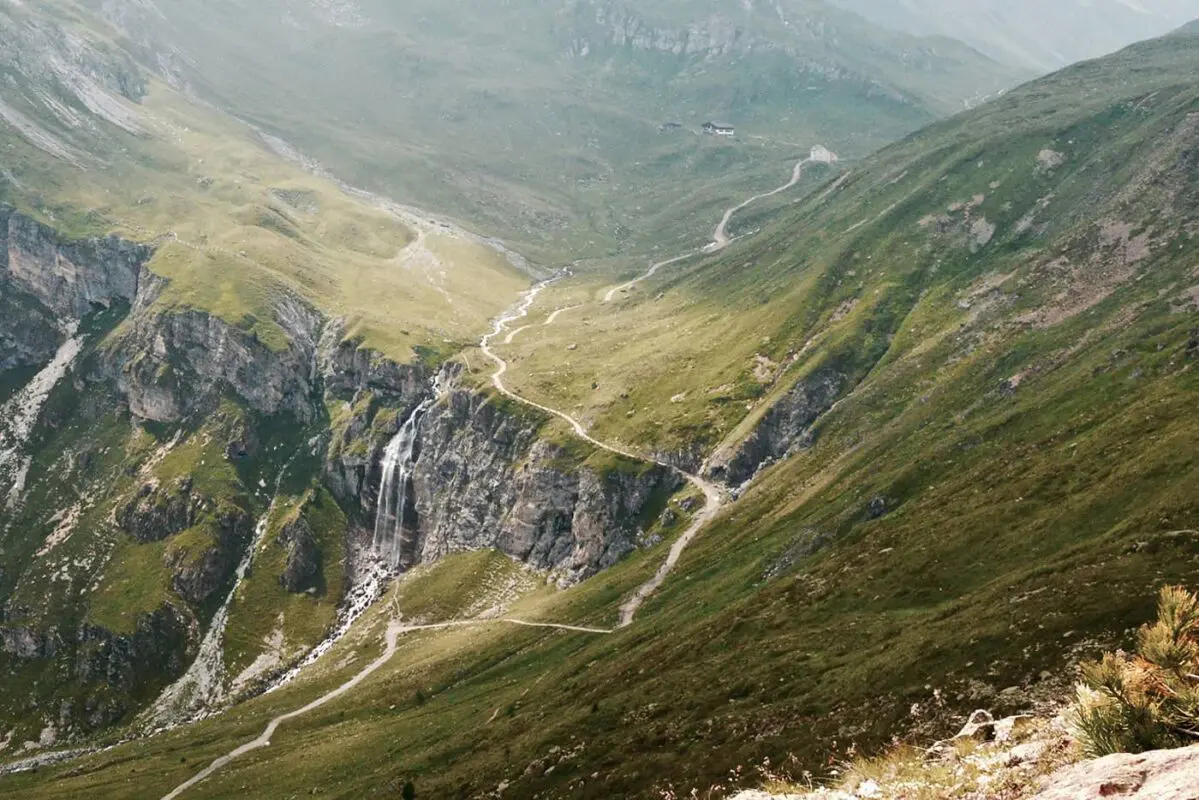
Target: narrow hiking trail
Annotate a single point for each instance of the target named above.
(720, 237)
(394, 631)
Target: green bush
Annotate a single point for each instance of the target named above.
(1150, 700)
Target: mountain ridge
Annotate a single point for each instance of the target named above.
(1042, 36)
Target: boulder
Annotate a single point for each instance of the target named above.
(1157, 775)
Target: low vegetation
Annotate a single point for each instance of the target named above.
(544, 126)
(1148, 700)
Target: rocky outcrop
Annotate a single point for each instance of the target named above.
(481, 479)
(196, 576)
(157, 512)
(347, 370)
(71, 278)
(689, 458)
(783, 428)
(714, 36)
(1160, 775)
(173, 364)
(29, 643)
(29, 333)
(128, 666)
(303, 565)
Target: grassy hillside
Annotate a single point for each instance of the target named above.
(539, 122)
(1010, 471)
(889, 257)
(93, 146)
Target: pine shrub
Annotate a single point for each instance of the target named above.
(1150, 700)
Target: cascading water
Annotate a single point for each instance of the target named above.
(394, 495)
(398, 458)
(201, 690)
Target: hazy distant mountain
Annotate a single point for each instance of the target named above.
(491, 110)
(1042, 34)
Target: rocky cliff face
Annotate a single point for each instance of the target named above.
(482, 475)
(128, 664)
(172, 365)
(784, 428)
(483, 479)
(714, 36)
(812, 41)
(69, 278)
(29, 334)
(303, 557)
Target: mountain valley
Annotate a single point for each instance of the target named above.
(481, 434)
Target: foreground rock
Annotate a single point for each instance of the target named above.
(1160, 775)
(1010, 759)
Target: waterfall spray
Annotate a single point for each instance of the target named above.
(399, 458)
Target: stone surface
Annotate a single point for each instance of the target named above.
(174, 364)
(29, 332)
(157, 512)
(782, 429)
(197, 576)
(69, 278)
(303, 557)
(1159, 775)
(482, 479)
(124, 664)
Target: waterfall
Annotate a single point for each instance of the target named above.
(394, 495)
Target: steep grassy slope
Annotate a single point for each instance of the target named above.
(900, 241)
(540, 121)
(1009, 472)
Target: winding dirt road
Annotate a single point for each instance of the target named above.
(715, 498)
(554, 316)
(720, 237)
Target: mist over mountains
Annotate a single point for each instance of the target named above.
(1043, 36)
